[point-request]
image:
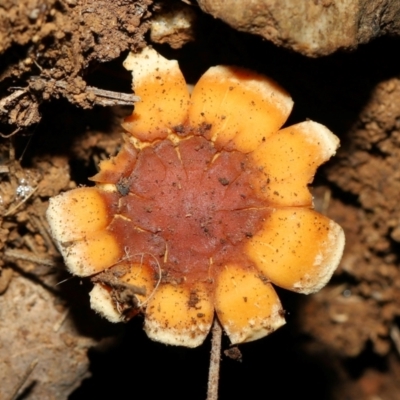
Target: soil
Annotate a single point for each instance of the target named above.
(342, 343)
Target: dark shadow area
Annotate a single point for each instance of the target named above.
(62, 124)
(12, 56)
(110, 76)
(367, 359)
(274, 367)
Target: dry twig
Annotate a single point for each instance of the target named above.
(16, 254)
(215, 359)
(27, 115)
(41, 226)
(106, 97)
(9, 99)
(15, 208)
(7, 136)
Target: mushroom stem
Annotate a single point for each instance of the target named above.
(215, 358)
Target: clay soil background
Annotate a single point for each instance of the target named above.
(60, 70)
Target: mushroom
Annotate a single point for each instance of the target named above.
(205, 208)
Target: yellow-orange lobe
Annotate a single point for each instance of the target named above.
(191, 319)
(78, 212)
(246, 304)
(242, 107)
(288, 161)
(92, 254)
(297, 249)
(164, 97)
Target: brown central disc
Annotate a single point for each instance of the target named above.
(190, 207)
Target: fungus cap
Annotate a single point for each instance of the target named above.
(205, 208)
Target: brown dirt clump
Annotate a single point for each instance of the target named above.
(47, 47)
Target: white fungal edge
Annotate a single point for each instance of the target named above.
(55, 215)
(146, 64)
(257, 328)
(74, 259)
(326, 261)
(192, 337)
(329, 256)
(101, 302)
(319, 134)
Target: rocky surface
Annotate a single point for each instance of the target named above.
(313, 28)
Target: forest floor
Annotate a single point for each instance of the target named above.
(57, 62)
